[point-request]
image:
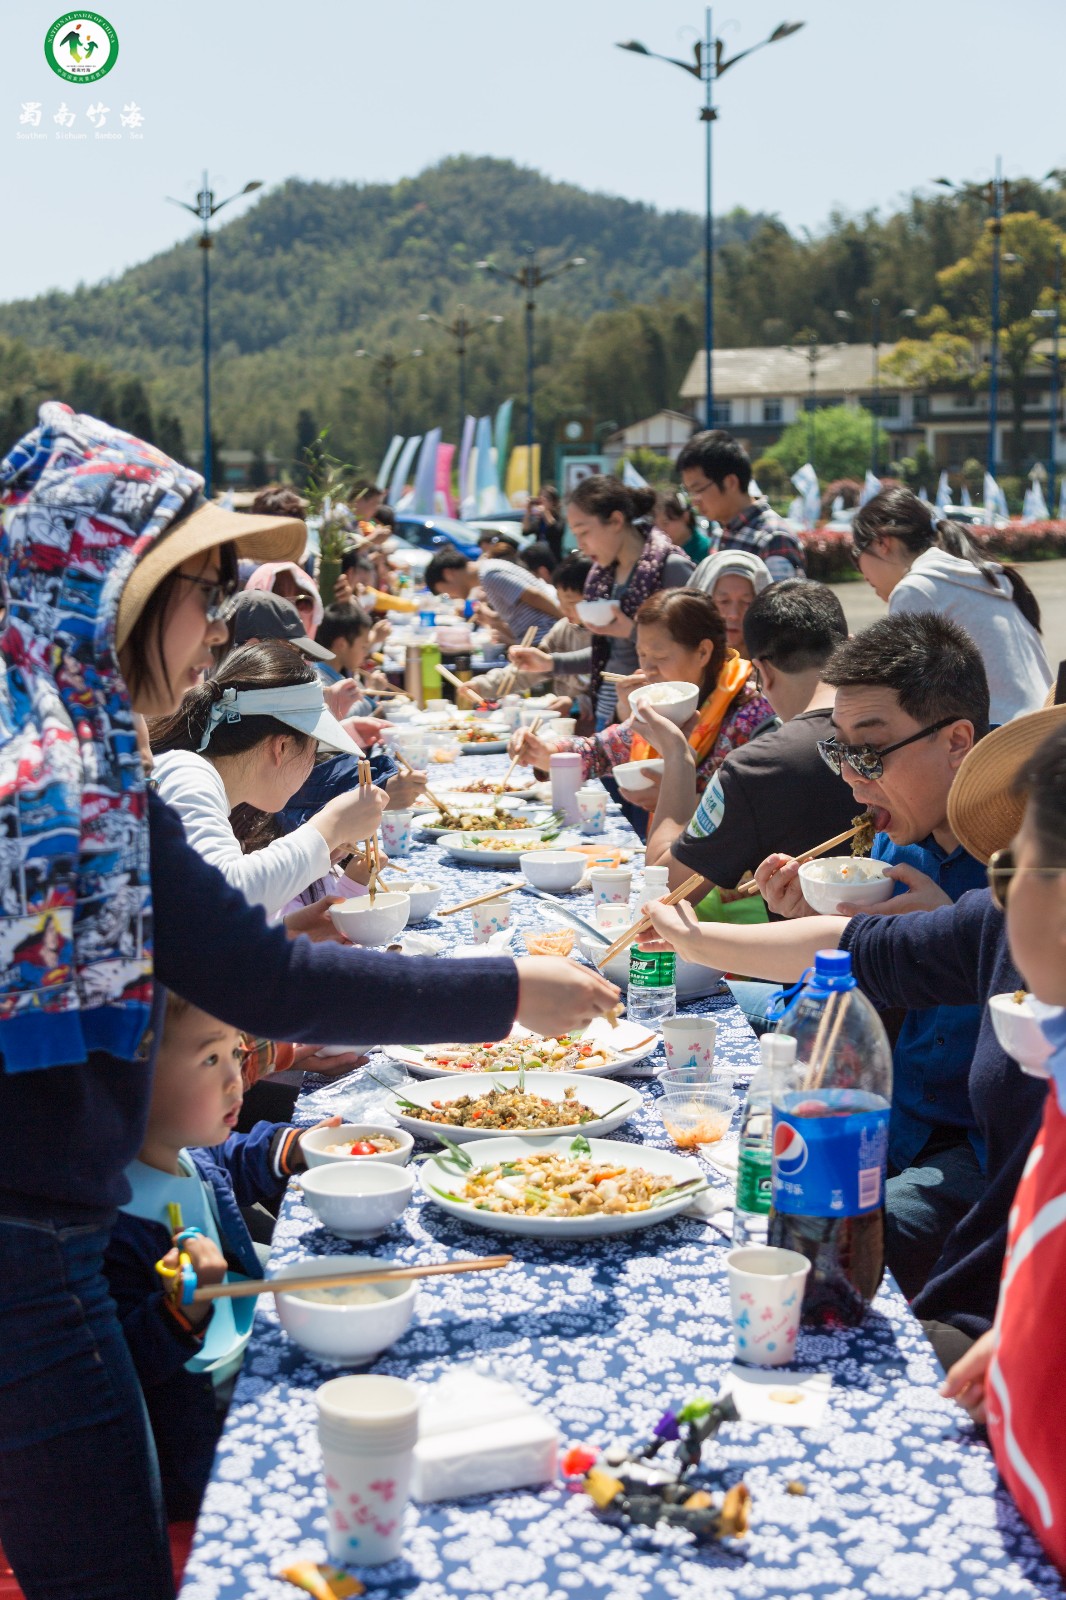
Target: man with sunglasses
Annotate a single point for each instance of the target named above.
(716, 472)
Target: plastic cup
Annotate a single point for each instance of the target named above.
(689, 1041)
(592, 810)
(696, 1113)
(766, 1287)
(367, 1428)
(611, 885)
(489, 919)
(396, 832)
(611, 916)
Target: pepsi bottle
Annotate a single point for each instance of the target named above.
(830, 1141)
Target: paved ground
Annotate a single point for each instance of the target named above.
(1047, 579)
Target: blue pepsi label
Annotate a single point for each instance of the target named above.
(830, 1152)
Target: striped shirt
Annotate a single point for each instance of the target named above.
(505, 584)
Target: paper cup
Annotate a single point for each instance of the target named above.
(592, 809)
(396, 832)
(689, 1042)
(611, 916)
(367, 1428)
(610, 885)
(765, 1293)
(489, 919)
(560, 727)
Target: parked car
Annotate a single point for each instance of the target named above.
(437, 533)
(974, 517)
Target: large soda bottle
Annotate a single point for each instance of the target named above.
(830, 1141)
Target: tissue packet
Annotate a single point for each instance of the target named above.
(478, 1435)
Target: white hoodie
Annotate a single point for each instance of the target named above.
(1017, 666)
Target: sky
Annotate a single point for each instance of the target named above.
(867, 103)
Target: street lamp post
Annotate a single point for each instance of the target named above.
(460, 329)
(813, 353)
(996, 195)
(706, 66)
(205, 208)
(530, 277)
(387, 363)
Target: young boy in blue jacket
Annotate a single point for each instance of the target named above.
(187, 1356)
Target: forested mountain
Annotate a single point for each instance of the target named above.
(314, 272)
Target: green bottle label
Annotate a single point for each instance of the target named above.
(754, 1181)
(651, 969)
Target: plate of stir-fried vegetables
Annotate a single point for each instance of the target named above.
(533, 1105)
(598, 1051)
(569, 1187)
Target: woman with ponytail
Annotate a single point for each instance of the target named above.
(631, 560)
(248, 737)
(919, 563)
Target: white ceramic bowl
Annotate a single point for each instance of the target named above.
(372, 922)
(599, 612)
(348, 1336)
(866, 884)
(422, 894)
(1017, 1027)
(314, 1145)
(354, 1200)
(637, 775)
(676, 701)
(553, 869)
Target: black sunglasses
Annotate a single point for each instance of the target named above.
(217, 592)
(866, 759)
(1001, 869)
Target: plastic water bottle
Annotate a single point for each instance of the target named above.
(830, 1141)
(751, 1211)
(652, 991)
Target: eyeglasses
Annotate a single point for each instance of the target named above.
(866, 759)
(1001, 869)
(216, 592)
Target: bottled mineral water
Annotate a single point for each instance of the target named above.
(652, 992)
(830, 1131)
(751, 1211)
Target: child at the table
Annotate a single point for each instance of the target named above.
(187, 1356)
(1011, 1378)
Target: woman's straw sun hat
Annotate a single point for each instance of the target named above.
(984, 813)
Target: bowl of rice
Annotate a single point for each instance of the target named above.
(675, 701)
(349, 1325)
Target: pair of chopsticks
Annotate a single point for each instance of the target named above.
(644, 923)
(294, 1284)
(516, 758)
(507, 682)
(426, 795)
(460, 687)
(371, 857)
(614, 677)
(483, 899)
(809, 855)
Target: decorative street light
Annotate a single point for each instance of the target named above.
(387, 363)
(460, 329)
(205, 208)
(996, 196)
(813, 354)
(875, 401)
(706, 66)
(530, 277)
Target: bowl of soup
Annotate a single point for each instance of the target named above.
(354, 1200)
(851, 881)
(375, 1143)
(347, 1325)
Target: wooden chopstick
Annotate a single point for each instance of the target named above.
(483, 899)
(293, 1285)
(809, 855)
(614, 677)
(533, 726)
(507, 682)
(457, 683)
(680, 893)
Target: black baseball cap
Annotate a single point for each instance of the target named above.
(256, 615)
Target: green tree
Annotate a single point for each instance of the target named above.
(170, 435)
(132, 410)
(258, 470)
(842, 443)
(307, 456)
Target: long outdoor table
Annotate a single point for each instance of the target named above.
(902, 1497)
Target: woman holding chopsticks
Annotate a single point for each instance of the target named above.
(115, 577)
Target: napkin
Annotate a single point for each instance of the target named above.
(769, 1394)
(478, 1435)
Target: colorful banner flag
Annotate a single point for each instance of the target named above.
(426, 475)
(395, 446)
(943, 492)
(964, 497)
(631, 477)
(517, 486)
(444, 501)
(806, 481)
(466, 502)
(402, 468)
(871, 485)
(994, 498)
(502, 430)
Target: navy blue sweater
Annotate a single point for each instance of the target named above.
(957, 956)
(67, 1134)
(186, 1419)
